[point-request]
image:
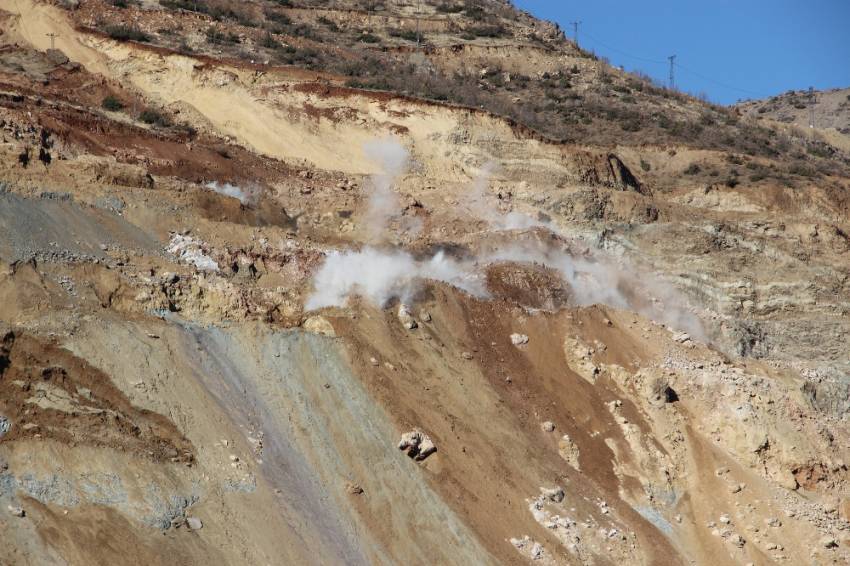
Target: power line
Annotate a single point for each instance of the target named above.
(718, 83)
(644, 59)
(674, 64)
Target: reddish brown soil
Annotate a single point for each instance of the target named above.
(99, 414)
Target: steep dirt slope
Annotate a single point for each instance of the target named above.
(232, 294)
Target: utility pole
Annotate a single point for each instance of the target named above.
(811, 107)
(672, 59)
(418, 16)
(575, 31)
(52, 37)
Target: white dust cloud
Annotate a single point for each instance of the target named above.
(383, 204)
(382, 275)
(247, 196)
(481, 204)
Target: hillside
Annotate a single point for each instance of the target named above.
(831, 109)
(291, 282)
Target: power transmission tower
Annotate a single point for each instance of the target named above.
(52, 37)
(811, 107)
(672, 59)
(575, 31)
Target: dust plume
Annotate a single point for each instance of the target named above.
(392, 158)
(248, 196)
(596, 279)
(480, 204)
(383, 275)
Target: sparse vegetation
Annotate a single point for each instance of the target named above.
(588, 102)
(328, 23)
(269, 42)
(112, 103)
(218, 37)
(154, 118)
(406, 34)
(368, 38)
(126, 33)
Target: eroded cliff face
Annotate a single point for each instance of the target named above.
(215, 338)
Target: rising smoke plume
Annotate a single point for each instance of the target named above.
(247, 196)
(392, 158)
(382, 275)
(481, 204)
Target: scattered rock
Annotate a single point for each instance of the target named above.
(406, 317)
(194, 523)
(519, 339)
(5, 425)
(425, 316)
(466, 355)
(828, 542)
(787, 480)
(568, 451)
(353, 488)
(17, 511)
(56, 57)
(681, 337)
(725, 519)
(661, 392)
(417, 444)
(536, 551)
(548, 426)
(555, 494)
(737, 540)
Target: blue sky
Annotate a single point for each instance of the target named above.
(727, 49)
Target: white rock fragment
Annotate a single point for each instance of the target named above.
(406, 317)
(194, 523)
(191, 251)
(547, 426)
(519, 339)
(520, 542)
(417, 444)
(17, 511)
(681, 337)
(536, 551)
(773, 522)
